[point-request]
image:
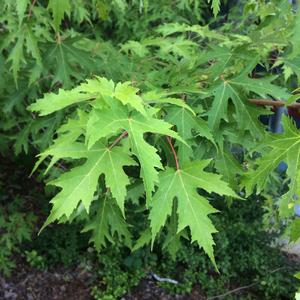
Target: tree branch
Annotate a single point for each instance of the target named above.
(269, 102)
(118, 139)
(30, 8)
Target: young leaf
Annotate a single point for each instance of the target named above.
(193, 209)
(281, 147)
(59, 8)
(21, 6)
(188, 126)
(80, 183)
(116, 118)
(215, 5)
(106, 223)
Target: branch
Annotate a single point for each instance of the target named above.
(174, 152)
(244, 287)
(118, 139)
(269, 102)
(30, 8)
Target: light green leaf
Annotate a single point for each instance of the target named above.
(59, 8)
(246, 114)
(115, 119)
(279, 147)
(193, 209)
(188, 126)
(215, 5)
(80, 183)
(127, 94)
(21, 6)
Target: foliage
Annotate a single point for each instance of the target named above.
(59, 246)
(34, 260)
(141, 107)
(243, 253)
(15, 228)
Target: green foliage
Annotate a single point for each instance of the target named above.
(244, 257)
(34, 260)
(62, 245)
(243, 253)
(142, 106)
(15, 228)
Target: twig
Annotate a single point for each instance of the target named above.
(174, 152)
(269, 102)
(30, 8)
(243, 287)
(118, 139)
(233, 291)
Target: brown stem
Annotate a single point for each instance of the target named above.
(174, 152)
(269, 102)
(118, 139)
(30, 8)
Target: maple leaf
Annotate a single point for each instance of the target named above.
(59, 8)
(295, 39)
(80, 183)
(246, 114)
(229, 167)
(99, 89)
(106, 223)
(280, 147)
(193, 209)
(215, 5)
(127, 94)
(21, 6)
(188, 126)
(116, 118)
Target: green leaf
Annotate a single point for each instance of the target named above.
(157, 98)
(99, 89)
(279, 147)
(295, 230)
(188, 126)
(59, 8)
(115, 119)
(295, 38)
(215, 5)
(21, 6)
(246, 114)
(193, 209)
(143, 240)
(106, 223)
(53, 102)
(127, 95)
(16, 55)
(80, 183)
(229, 167)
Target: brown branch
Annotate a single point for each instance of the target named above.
(118, 139)
(269, 102)
(30, 8)
(174, 152)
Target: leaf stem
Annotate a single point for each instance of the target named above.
(118, 139)
(31, 8)
(174, 152)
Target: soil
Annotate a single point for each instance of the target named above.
(29, 284)
(70, 284)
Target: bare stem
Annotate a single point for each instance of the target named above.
(118, 139)
(174, 152)
(30, 8)
(269, 102)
